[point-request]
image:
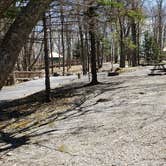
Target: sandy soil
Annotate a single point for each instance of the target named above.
(121, 122)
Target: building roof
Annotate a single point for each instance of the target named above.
(55, 55)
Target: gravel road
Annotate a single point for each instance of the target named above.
(24, 89)
(122, 122)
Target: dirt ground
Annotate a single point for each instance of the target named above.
(120, 122)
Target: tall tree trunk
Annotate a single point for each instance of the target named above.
(87, 50)
(17, 34)
(83, 58)
(98, 53)
(116, 51)
(68, 43)
(134, 36)
(51, 44)
(160, 24)
(92, 35)
(59, 50)
(134, 40)
(62, 37)
(138, 43)
(122, 50)
(46, 60)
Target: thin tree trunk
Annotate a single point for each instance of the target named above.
(134, 36)
(160, 24)
(138, 43)
(46, 59)
(134, 39)
(62, 38)
(59, 51)
(116, 51)
(51, 45)
(36, 59)
(83, 59)
(68, 43)
(98, 54)
(122, 52)
(87, 50)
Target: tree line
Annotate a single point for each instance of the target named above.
(92, 32)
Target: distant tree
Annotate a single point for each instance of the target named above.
(76, 50)
(151, 48)
(17, 34)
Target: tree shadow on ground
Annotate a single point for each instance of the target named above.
(11, 140)
(11, 143)
(15, 108)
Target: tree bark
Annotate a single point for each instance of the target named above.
(87, 50)
(62, 36)
(51, 44)
(46, 60)
(68, 43)
(138, 43)
(83, 58)
(122, 52)
(98, 53)
(160, 24)
(134, 40)
(4, 5)
(134, 36)
(17, 34)
(92, 35)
